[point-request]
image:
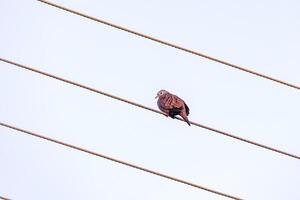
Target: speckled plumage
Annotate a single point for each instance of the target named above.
(172, 105)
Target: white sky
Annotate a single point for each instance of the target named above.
(261, 35)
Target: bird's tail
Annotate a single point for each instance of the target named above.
(185, 118)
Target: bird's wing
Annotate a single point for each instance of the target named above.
(173, 101)
(179, 104)
(187, 109)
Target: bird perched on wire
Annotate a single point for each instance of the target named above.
(172, 105)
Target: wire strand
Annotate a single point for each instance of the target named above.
(172, 45)
(150, 109)
(4, 198)
(119, 161)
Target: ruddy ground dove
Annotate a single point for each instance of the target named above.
(172, 105)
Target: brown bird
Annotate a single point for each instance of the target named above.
(172, 105)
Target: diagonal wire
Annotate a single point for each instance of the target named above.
(119, 161)
(150, 109)
(4, 198)
(173, 45)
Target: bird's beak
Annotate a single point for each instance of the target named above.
(156, 97)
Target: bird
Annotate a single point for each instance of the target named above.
(172, 105)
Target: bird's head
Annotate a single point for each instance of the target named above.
(161, 93)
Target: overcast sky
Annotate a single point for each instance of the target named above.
(260, 35)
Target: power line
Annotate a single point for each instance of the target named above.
(149, 109)
(4, 198)
(172, 45)
(119, 161)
